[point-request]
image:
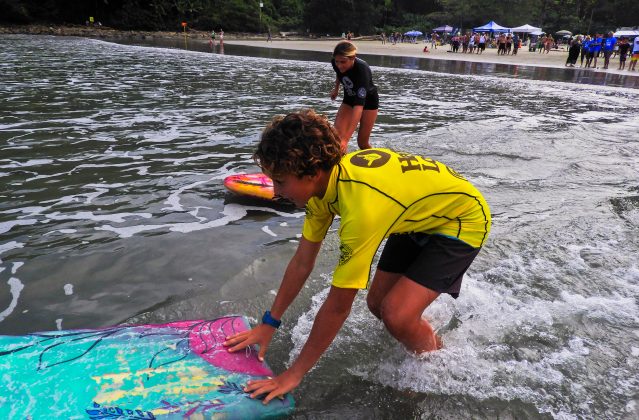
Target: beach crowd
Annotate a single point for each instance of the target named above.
(589, 49)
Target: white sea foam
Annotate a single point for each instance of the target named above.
(231, 213)
(478, 359)
(16, 266)
(8, 246)
(174, 199)
(31, 162)
(7, 226)
(15, 287)
(268, 231)
(87, 215)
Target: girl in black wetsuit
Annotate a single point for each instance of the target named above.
(360, 95)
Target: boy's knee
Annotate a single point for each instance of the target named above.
(393, 320)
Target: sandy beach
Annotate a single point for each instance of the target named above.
(556, 58)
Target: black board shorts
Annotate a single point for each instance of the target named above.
(437, 262)
(371, 101)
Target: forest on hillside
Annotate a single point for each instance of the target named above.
(326, 17)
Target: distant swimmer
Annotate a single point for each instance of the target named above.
(361, 100)
(430, 221)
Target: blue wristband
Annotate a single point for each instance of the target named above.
(269, 320)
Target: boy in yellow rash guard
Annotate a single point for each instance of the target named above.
(434, 219)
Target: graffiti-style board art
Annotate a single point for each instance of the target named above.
(252, 185)
(167, 371)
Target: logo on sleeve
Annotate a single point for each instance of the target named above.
(345, 253)
(361, 92)
(370, 158)
(347, 82)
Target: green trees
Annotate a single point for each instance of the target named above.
(323, 17)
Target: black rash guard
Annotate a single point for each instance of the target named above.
(358, 85)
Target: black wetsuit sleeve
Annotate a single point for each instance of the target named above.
(363, 79)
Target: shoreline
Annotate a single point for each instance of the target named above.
(365, 45)
(554, 59)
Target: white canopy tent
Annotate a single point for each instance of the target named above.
(526, 29)
(626, 32)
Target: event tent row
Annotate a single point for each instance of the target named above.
(493, 27)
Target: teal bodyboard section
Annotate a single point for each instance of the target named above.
(161, 371)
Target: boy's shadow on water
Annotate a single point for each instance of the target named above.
(245, 200)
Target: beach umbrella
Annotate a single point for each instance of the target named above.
(414, 33)
(563, 32)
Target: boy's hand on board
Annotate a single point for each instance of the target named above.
(260, 335)
(274, 387)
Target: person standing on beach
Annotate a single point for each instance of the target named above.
(501, 44)
(585, 50)
(541, 44)
(549, 43)
(573, 52)
(635, 54)
(515, 44)
(221, 36)
(212, 40)
(609, 43)
(269, 37)
(624, 47)
(482, 44)
(361, 100)
(591, 52)
(595, 47)
(435, 222)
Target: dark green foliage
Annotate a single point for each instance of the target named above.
(322, 17)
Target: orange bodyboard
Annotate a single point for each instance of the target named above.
(252, 185)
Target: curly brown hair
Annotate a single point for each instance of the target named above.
(300, 143)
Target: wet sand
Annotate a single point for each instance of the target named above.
(555, 58)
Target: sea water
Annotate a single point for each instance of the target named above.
(112, 210)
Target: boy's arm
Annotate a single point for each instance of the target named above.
(297, 271)
(328, 322)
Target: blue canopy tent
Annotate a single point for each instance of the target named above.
(491, 27)
(446, 29)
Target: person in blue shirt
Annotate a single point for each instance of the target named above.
(585, 50)
(595, 48)
(609, 43)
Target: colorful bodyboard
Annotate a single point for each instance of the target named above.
(168, 371)
(254, 185)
